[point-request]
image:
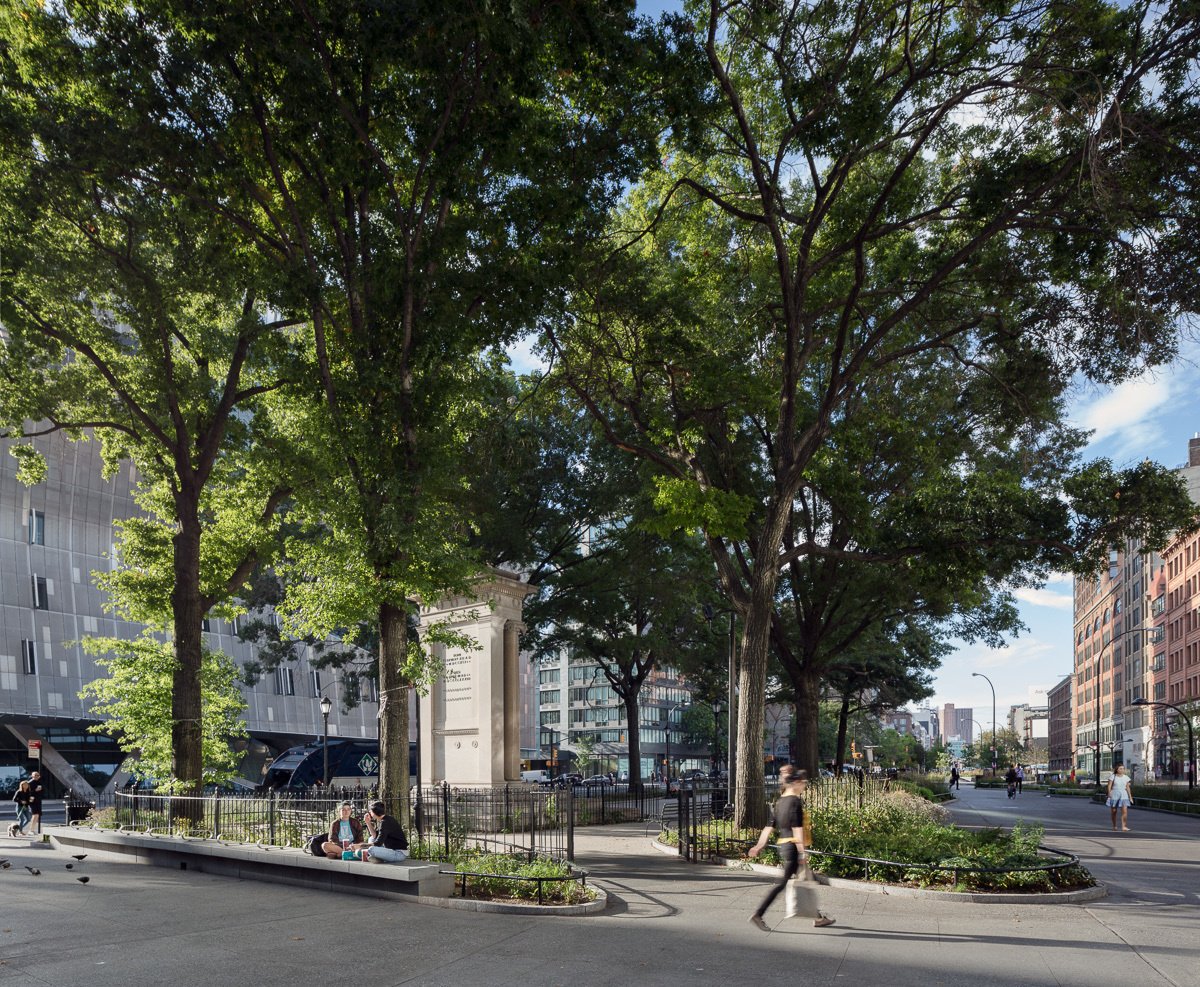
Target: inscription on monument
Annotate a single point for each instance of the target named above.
(459, 684)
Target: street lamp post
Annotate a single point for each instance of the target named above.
(980, 675)
(716, 708)
(1187, 721)
(326, 709)
(668, 732)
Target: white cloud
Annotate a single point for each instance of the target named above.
(1044, 598)
(521, 356)
(1126, 410)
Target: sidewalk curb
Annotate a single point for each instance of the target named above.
(900, 891)
(472, 905)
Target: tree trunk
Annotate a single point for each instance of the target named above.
(187, 750)
(808, 709)
(393, 706)
(749, 797)
(633, 725)
(843, 726)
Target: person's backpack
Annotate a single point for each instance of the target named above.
(315, 844)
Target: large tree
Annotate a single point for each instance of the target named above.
(129, 318)
(421, 174)
(879, 186)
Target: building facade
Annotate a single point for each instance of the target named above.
(53, 537)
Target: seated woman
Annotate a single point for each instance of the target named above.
(344, 832)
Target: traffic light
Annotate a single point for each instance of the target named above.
(853, 751)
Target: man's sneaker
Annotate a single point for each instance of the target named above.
(823, 921)
(760, 922)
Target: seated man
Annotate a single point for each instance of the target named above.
(344, 832)
(388, 843)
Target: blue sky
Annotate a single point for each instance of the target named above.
(1150, 417)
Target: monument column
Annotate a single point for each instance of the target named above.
(470, 721)
(512, 702)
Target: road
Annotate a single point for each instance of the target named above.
(669, 924)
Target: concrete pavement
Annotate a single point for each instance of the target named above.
(669, 923)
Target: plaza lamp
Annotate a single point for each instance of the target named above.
(326, 709)
(980, 675)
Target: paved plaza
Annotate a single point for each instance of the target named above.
(668, 924)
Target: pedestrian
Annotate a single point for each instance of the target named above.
(789, 821)
(954, 776)
(37, 790)
(1010, 778)
(1020, 778)
(1120, 796)
(23, 797)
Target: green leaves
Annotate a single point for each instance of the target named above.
(134, 701)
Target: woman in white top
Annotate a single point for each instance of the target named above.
(1120, 796)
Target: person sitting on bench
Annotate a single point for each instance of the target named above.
(344, 832)
(387, 844)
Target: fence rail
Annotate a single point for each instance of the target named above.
(443, 819)
(703, 817)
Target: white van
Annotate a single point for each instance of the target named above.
(536, 777)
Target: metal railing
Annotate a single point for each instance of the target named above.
(443, 819)
(901, 869)
(703, 816)
(575, 875)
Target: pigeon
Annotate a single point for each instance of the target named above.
(83, 880)
(70, 866)
(5, 864)
(33, 870)
(79, 856)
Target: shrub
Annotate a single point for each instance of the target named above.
(504, 868)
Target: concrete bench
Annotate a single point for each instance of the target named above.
(279, 865)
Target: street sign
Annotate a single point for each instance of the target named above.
(35, 749)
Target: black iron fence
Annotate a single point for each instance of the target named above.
(442, 820)
(701, 822)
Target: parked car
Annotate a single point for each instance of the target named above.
(596, 781)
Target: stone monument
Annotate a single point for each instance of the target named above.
(470, 720)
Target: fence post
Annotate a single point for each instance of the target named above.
(681, 820)
(570, 825)
(532, 825)
(419, 822)
(446, 817)
(603, 815)
(271, 818)
(216, 826)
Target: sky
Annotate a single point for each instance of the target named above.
(1149, 417)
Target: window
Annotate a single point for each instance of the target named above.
(548, 676)
(206, 627)
(550, 696)
(548, 716)
(285, 684)
(37, 528)
(41, 601)
(314, 681)
(368, 690)
(29, 657)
